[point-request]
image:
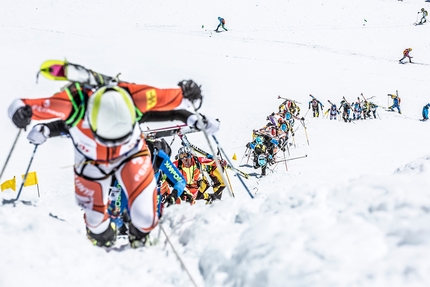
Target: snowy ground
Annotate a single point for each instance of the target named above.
(354, 212)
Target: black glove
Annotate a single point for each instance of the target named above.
(190, 90)
(161, 144)
(171, 198)
(188, 197)
(211, 198)
(302, 119)
(22, 117)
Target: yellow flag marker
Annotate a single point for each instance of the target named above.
(11, 183)
(31, 179)
(234, 157)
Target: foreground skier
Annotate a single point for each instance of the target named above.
(103, 123)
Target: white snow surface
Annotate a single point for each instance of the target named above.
(354, 212)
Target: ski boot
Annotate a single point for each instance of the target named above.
(136, 237)
(104, 239)
(123, 230)
(263, 170)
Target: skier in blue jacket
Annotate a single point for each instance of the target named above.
(396, 103)
(426, 112)
(221, 24)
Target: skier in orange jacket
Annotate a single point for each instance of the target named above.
(103, 122)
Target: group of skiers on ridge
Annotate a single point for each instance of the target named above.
(359, 110)
(274, 136)
(101, 115)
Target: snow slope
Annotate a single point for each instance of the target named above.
(354, 212)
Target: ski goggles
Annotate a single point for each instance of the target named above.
(184, 156)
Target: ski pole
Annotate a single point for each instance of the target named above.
(306, 132)
(218, 164)
(226, 173)
(229, 162)
(287, 99)
(243, 156)
(10, 153)
(299, 157)
(244, 174)
(25, 178)
(177, 255)
(286, 167)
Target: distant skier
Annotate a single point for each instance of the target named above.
(373, 108)
(426, 112)
(357, 110)
(333, 112)
(346, 110)
(406, 55)
(221, 24)
(290, 106)
(423, 16)
(396, 103)
(315, 106)
(262, 150)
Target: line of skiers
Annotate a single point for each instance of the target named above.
(361, 109)
(273, 137)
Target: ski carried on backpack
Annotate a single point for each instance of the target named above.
(346, 101)
(313, 98)
(58, 70)
(169, 131)
(287, 99)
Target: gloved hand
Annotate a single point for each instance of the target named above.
(188, 197)
(38, 134)
(223, 163)
(211, 198)
(22, 116)
(210, 124)
(302, 118)
(190, 90)
(172, 198)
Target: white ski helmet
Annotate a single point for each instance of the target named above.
(111, 115)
